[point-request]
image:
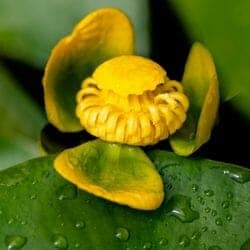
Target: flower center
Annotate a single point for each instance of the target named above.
(133, 119)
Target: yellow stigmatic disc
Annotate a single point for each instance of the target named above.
(129, 74)
(130, 100)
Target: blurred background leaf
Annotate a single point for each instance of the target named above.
(223, 26)
(30, 29)
(21, 121)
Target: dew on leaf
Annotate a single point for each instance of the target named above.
(80, 224)
(15, 242)
(77, 245)
(196, 235)
(147, 245)
(201, 200)
(229, 217)
(67, 191)
(163, 242)
(218, 221)
(23, 222)
(122, 233)
(225, 204)
(34, 182)
(180, 207)
(60, 241)
(237, 174)
(10, 221)
(33, 197)
(207, 209)
(209, 192)
(195, 187)
(214, 212)
(214, 232)
(184, 241)
(204, 229)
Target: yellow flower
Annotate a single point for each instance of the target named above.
(129, 99)
(95, 81)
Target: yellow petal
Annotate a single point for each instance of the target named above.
(201, 86)
(116, 172)
(101, 35)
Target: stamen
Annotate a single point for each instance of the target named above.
(136, 119)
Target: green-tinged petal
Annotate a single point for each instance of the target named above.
(201, 86)
(116, 172)
(101, 35)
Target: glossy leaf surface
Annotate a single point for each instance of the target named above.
(207, 205)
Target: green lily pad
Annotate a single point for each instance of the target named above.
(201, 86)
(206, 205)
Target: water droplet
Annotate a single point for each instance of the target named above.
(147, 245)
(23, 222)
(195, 188)
(163, 242)
(77, 245)
(204, 229)
(15, 178)
(214, 212)
(15, 242)
(201, 200)
(214, 232)
(80, 224)
(33, 197)
(230, 195)
(209, 192)
(34, 182)
(245, 245)
(180, 207)
(218, 221)
(225, 204)
(196, 235)
(214, 248)
(229, 217)
(10, 221)
(237, 174)
(184, 241)
(60, 241)
(122, 234)
(67, 192)
(207, 209)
